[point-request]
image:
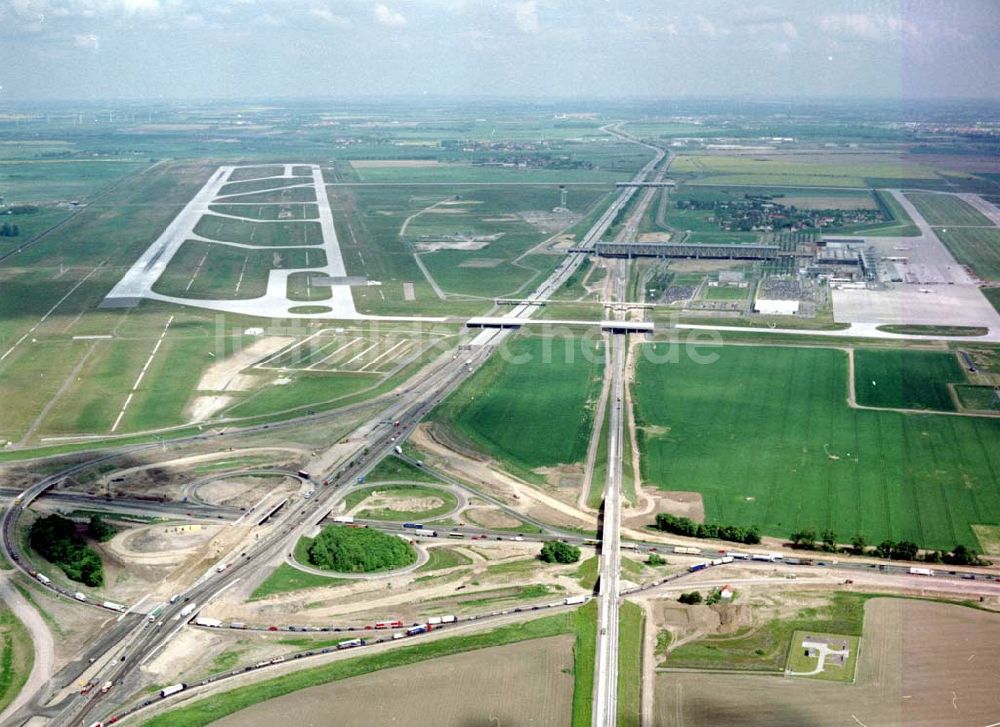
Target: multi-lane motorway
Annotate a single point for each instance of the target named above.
(119, 661)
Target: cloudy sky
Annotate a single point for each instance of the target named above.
(525, 48)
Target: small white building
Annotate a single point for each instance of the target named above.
(772, 307)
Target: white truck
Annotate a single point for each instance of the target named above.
(574, 600)
(42, 578)
(921, 572)
(344, 519)
(79, 596)
(187, 610)
(397, 449)
(172, 689)
(114, 606)
(210, 622)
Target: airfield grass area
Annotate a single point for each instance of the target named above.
(268, 211)
(17, 656)
(206, 711)
(906, 379)
(262, 234)
(946, 209)
(977, 247)
(474, 241)
(766, 436)
(358, 349)
(203, 270)
(288, 195)
(993, 296)
(259, 185)
(979, 398)
(533, 410)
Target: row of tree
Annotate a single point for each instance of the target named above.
(57, 540)
(689, 528)
(890, 549)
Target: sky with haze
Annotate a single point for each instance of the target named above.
(784, 49)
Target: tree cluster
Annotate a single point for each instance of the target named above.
(808, 540)
(690, 599)
(56, 539)
(100, 530)
(9, 230)
(358, 550)
(555, 551)
(687, 527)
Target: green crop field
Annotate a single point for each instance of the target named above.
(766, 436)
(259, 233)
(906, 379)
(946, 209)
(977, 247)
(530, 414)
(774, 169)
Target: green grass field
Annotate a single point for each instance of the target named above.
(262, 234)
(798, 661)
(946, 209)
(203, 270)
(726, 293)
(268, 211)
(285, 579)
(771, 169)
(532, 414)
(906, 379)
(977, 247)
(441, 558)
(765, 647)
(630, 628)
(584, 659)
(993, 296)
(766, 436)
(16, 656)
(449, 502)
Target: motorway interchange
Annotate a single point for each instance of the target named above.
(142, 630)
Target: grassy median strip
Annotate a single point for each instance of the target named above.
(630, 665)
(584, 659)
(218, 706)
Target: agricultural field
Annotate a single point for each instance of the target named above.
(906, 379)
(323, 676)
(526, 682)
(921, 477)
(947, 209)
(915, 664)
(778, 170)
(977, 247)
(550, 427)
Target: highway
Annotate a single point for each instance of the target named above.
(431, 386)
